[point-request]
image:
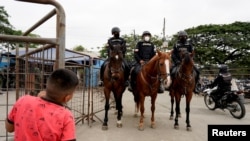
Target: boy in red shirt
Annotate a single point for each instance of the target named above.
(45, 118)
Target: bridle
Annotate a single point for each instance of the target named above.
(118, 56)
(159, 77)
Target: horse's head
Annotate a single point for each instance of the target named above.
(116, 51)
(187, 63)
(116, 59)
(164, 64)
(187, 57)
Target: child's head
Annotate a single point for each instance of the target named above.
(61, 85)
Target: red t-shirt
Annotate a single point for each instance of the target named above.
(36, 119)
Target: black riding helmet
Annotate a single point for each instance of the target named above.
(146, 33)
(115, 29)
(182, 33)
(223, 69)
(182, 36)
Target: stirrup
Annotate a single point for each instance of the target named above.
(100, 83)
(161, 89)
(130, 88)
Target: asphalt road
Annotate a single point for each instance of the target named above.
(200, 118)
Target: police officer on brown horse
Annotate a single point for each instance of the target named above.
(116, 39)
(182, 45)
(144, 51)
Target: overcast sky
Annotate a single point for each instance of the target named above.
(89, 22)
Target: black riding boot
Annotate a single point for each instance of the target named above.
(126, 72)
(100, 83)
(131, 80)
(197, 78)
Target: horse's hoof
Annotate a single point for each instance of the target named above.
(141, 127)
(176, 127)
(179, 115)
(189, 128)
(171, 118)
(119, 125)
(153, 125)
(104, 127)
(135, 115)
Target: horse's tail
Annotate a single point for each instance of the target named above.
(136, 99)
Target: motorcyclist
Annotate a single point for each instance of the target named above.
(183, 45)
(222, 81)
(116, 39)
(144, 51)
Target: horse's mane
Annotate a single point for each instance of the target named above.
(187, 57)
(154, 58)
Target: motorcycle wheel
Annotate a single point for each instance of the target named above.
(209, 102)
(237, 109)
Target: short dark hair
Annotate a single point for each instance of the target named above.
(60, 83)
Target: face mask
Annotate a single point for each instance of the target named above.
(183, 39)
(116, 35)
(146, 38)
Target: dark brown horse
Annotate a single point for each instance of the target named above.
(147, 83)
(183, 84)
(114, 81)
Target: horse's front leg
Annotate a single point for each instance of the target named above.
(106, 107)
(177, 110)
(153, 98)
(142, 109)
(189, 128)
(119, 109)
(172, 106)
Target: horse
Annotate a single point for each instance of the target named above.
(114, 81)
(183, 84)
(148, 82)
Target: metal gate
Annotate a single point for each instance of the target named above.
(32, 68)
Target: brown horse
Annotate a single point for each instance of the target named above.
(147, 83)
(183, 84)
(114, 81)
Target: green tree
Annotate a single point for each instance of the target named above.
(7, 29)
(221, 44)
(79, 48)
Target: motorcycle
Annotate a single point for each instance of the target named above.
(231, 100)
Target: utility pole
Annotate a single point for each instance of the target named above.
(163, 32)
(165, 42)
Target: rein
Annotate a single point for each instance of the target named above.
(186, 78)
(153, 78)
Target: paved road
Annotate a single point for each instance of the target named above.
(200, 118)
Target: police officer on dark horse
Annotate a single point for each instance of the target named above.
(116, 39)
(183, 45)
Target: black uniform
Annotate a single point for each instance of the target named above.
(143, 51)
(179, 47)
(223, 81)
(114, 41)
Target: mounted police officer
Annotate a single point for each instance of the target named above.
(116, 39)
(144, 51)
(223, 81)
(182, 45)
